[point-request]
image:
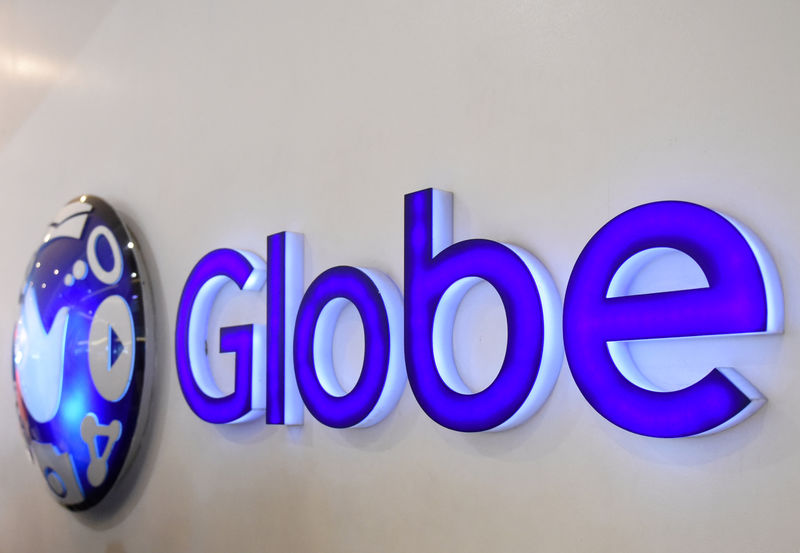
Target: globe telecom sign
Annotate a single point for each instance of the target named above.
(287, 363)
(82, 375)
(80, 366)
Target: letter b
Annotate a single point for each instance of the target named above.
(437, 275)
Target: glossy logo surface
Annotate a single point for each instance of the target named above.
(79, 352)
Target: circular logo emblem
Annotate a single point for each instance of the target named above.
(79, 352)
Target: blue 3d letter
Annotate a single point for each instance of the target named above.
(383, 376)
(743, 296)
(202, 394)
(437, 275)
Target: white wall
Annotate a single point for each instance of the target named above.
(212, 124)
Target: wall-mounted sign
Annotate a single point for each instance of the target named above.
(743, 295)
(79, 352)
(288, 363)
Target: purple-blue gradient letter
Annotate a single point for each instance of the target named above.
(247, 400)
(743, 296)
(437, 275)
(382, 379)
(284, 290)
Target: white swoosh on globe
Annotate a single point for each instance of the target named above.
(40, 368)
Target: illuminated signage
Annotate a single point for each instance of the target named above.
(288, 363)
(79, 364)
(743, 296)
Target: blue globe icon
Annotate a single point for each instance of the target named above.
(79, 357)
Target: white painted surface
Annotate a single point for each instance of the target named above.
(214, 124)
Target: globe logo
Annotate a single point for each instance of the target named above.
(79, 357)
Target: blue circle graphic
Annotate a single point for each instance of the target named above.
(79, 358)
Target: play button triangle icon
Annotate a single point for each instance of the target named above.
(112, 348)
(115, 347)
